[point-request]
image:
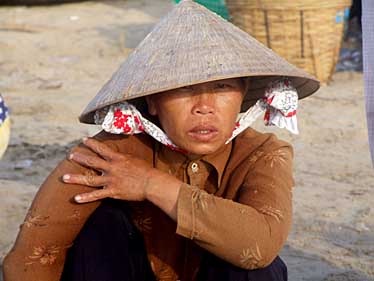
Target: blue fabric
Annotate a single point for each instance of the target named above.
(3, 110)
(108, 248)
(368, 59)
(215, 269)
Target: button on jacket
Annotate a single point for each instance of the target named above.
(235, 203)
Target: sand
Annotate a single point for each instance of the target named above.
(54, 59)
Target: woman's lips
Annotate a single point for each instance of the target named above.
(203, 133)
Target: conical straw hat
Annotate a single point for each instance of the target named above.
(193, 45)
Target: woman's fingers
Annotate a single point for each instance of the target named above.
(93, 196)
(124, 176)
(100, 148)
(89, 180)
(89, 161)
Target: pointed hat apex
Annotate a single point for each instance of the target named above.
(192, 45)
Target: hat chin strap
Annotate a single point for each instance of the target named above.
(279, 105)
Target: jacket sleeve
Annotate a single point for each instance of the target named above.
(52, 223)
(248, 233)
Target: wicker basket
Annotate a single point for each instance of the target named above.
(308, 33)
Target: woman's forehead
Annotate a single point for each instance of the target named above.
(240, 81)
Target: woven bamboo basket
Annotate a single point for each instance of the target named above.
(308, 33)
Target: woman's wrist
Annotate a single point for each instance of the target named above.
(152, 182)
(162, 190)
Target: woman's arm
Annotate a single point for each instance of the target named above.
(53, 221)
(251, 232)
(49, 229)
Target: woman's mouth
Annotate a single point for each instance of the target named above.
(203, 133)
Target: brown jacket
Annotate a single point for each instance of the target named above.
(238, 206)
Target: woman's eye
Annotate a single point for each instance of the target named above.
(222, 86)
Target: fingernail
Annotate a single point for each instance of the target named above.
(71, 156)
(66, 177)
(78, 198)
(85, 139)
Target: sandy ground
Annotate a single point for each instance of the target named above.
(54, 59)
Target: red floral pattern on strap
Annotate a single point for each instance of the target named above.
(121, 121)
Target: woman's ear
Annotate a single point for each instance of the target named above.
(151, 103)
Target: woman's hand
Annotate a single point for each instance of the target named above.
(123, 176)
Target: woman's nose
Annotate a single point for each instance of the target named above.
(204, 104)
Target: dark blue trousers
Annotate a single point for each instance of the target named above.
(110, 248)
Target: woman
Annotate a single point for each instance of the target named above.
(194, 195)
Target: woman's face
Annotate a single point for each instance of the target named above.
(199, 118)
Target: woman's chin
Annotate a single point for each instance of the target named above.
(203, 149)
